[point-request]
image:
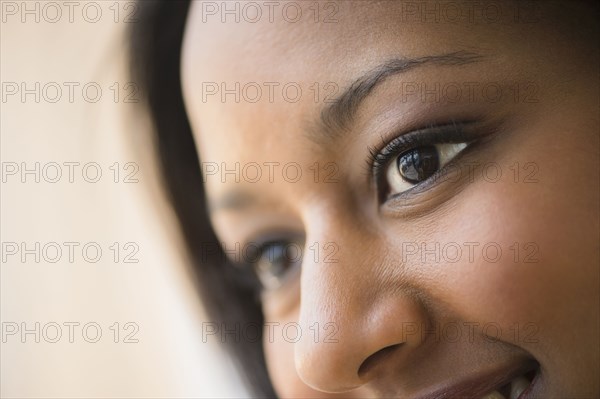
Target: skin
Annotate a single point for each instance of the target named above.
(376, 290)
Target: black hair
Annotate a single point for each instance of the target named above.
(229, 293)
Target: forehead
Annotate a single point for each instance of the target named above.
(308, 40)
(306, 44)
(287, 32)
(320, 31)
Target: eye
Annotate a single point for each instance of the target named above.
(419, 164)
(411, 159)
(275, 262)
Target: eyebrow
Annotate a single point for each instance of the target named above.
(336, 116)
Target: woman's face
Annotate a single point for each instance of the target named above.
(441, 177)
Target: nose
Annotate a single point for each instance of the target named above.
(358, 311)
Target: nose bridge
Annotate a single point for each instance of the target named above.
(350, 306)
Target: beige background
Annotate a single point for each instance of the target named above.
(170, 359)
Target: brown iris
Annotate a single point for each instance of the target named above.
(418, 164)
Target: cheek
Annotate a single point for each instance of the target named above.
(532, 270)
(542, 292)
(535, 243)
(538, 215)
(506, 272)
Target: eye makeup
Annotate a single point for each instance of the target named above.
(381, 157)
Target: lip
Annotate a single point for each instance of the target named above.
(476, 386)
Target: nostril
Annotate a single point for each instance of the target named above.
(376, 358)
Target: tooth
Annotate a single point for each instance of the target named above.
(518, 386)
(494, 395)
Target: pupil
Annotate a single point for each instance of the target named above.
(418, 164)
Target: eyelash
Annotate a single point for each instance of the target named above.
(381, 156)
